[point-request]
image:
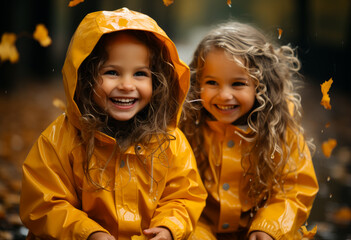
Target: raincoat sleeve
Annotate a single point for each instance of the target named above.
(287, 211)
(49, 205)
(184, 196)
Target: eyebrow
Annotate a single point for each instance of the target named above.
(237, 78)
(118, 66)
(209, 76)
(144, 67)
(241, 78)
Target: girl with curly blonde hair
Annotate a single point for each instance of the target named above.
(243, 121)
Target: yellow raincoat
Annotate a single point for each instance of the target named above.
(57, 200)
(229, 209)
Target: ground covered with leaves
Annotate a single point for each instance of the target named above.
(25, 112)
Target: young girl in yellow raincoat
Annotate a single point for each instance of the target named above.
(243, 122)
(115, 165)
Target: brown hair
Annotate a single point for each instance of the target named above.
(153, 121)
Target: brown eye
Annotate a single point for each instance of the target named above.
(111, 72)
(140, 74)
(238, 84)
(211, 82)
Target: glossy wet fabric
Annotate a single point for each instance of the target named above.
(58, 202)
(229, 212)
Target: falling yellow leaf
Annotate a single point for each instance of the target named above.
(343, 216)
(328, 147)
(167, 2)
(73, 3)
(8, 50)
(229, 3)
(139, 237)
(325, 88)
(41, 35)
(59, 104)
(280, 32)
(308, 234)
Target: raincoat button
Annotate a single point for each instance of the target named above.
(225, 225)
(121, 165)
(225, 186)
(230, 143)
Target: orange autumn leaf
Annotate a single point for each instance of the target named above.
(328, 147)
(308, 234)
(280, 32)
(41, 34)
(343, 215)
(327, 125)
(229, 3)
(73, 3)
(325, 88)
(8, 50)
(59, 104)
(167, 2)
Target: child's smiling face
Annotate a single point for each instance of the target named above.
(125, 85)
(227, 91)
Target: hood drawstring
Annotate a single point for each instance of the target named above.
(152, 175)
(130, 174)
(119, 183)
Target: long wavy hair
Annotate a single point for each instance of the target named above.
(154, 121)
(275, 71)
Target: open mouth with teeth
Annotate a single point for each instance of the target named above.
(123, 101)
(226, 107)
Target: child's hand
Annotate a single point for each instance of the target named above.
(100, 236)
(259, 236)
(158, 233)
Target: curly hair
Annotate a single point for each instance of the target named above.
(277, 108)
(154, 120)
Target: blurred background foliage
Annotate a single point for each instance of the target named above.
(319, 29)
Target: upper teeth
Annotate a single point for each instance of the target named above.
(225, 107)
(125, 100)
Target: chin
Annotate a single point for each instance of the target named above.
(122, 119)
(226, 121)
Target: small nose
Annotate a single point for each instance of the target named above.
(126, 84)
(225, 94)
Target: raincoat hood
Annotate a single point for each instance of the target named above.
(89, 32)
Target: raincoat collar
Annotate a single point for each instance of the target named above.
(88, 33)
